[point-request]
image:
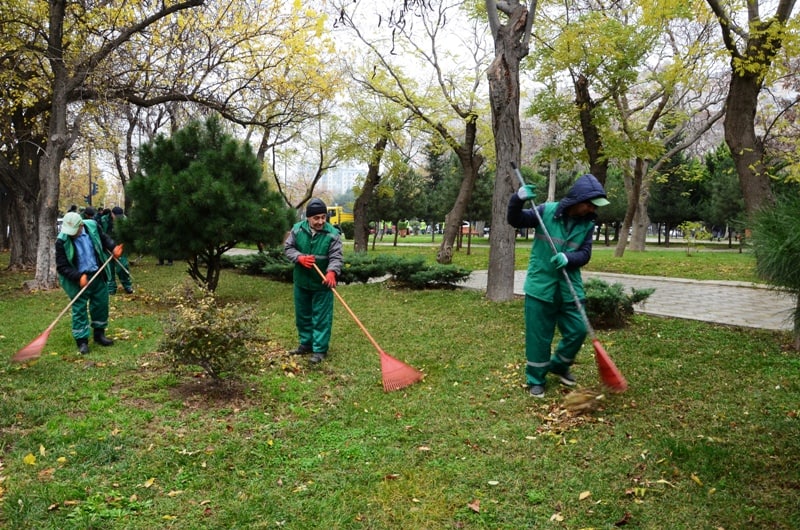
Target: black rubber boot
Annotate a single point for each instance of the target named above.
(101, 339)
(83, 346)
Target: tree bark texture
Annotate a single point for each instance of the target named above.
(503, 74)
(361, 228)
(470, 163)
(592, 141)
(747, 149)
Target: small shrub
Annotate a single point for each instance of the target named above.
(348, 229)
(608, 306)
(199, 332)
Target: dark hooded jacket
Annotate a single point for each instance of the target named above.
(570, 235)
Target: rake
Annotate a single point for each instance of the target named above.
(396, 374)
(34, 349)
(609, 374)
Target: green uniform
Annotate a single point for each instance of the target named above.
(313, 301)
(96, 295)
(548, 301)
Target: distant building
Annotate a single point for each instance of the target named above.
(340, 180)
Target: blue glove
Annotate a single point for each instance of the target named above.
(559, 260)
(527, 192)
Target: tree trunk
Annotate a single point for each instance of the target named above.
(592, 141)
(373, 178)
(633, 185)
(510, 48)
(58, 140)
(470, 163)
(747, 149)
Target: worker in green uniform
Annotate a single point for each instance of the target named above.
(548, 300)
(314, 241)
(81, 250)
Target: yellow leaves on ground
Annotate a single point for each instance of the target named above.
(29, 459)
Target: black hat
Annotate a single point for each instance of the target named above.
(315, 207)
(116, 210)
(89, 212)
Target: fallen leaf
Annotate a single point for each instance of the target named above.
(52, 507)
(584, 495)
(61, 460)
(174, 493)
(557, 517)
(423, 448)
(475, 506)
(696, 479)
(493, 483)
(392, 476)
(149, 482)
(29, 459)
(42, 450)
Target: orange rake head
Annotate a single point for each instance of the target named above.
(609, 374)
(33, 350)
(397, 374)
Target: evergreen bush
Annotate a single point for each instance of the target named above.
(348, 229)
(608, 306)
(410, 273)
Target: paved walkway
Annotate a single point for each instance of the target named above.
(733, 303)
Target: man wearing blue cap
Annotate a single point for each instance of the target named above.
(548, 300)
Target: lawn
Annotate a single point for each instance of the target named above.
(705, 437)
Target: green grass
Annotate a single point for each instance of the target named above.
(705, 437)
(710, 262)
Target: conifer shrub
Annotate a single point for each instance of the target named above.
(217, 338)
(348, 229)
(608, 305)
(412, 273)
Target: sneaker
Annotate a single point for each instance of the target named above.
(317, 357)
(536, 391)
(300, 350)
(129, 290)
(567, 378)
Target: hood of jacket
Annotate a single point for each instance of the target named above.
(585, 188)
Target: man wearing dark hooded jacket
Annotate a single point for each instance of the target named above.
(548, 300)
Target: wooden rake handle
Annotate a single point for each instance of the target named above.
(373, 341)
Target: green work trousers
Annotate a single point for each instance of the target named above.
(541, 320)
(96, 297)
(313, 315)
(124, 277)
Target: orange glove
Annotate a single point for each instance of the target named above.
(83, 281)
(330, 279)
(306, 260)
(117, 251)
